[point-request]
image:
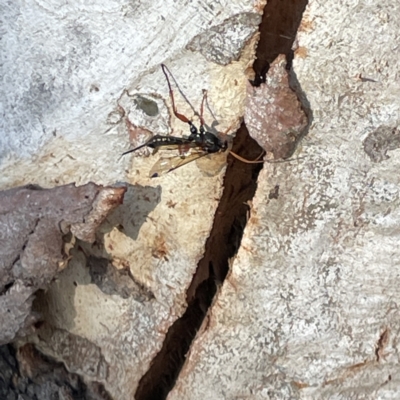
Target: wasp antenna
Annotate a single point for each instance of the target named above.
(202, 107)
(256, 161)
(182, 117)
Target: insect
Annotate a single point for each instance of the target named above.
(198, 144)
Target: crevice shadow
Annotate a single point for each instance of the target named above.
(294, 84)
(240, 184)
(90, 263)
(280, 22)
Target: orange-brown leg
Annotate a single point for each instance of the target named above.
(202, 107)
(171, 94)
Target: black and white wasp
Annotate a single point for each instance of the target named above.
(198, 144)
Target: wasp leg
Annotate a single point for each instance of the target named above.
(195, 136)
(199, 137)
(182, 117)
(202, 108)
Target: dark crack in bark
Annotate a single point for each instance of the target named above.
(278, 28)
(223, 243)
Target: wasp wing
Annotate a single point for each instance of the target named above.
(165, 165)
(183, 148)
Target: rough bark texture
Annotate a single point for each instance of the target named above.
(29, 375)
(309, 307)
(274, 115)
(83, 83)
(33, 222)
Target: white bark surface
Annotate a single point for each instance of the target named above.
(67, 65)
(311, 307)
(74, 75)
